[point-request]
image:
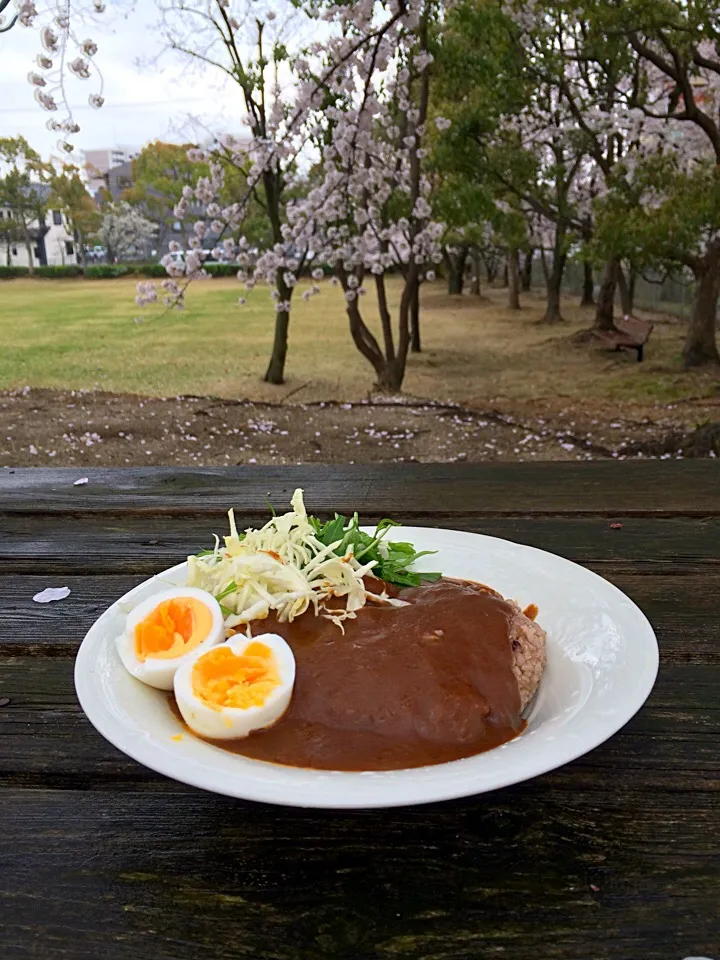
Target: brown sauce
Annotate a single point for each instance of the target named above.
(403, 687)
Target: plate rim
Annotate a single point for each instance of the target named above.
(107, 726)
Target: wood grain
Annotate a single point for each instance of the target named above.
(612, 857)
(653, 488)
(537, 871)
(45, 739)
(681, 606)
(141, 544)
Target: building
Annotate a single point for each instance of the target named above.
(52, 242)
(118, 179)
(99, 162)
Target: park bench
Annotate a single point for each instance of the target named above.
(630, 333)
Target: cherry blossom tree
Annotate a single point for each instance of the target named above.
(64, 54)
(371, 213)
(124, 231)
(358, 106)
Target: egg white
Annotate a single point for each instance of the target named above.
(156, 671)
(232, 723)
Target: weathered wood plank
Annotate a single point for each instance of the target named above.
(532, 872)
(682, 609)
(45, 739)
(129, 543)
(687, 488)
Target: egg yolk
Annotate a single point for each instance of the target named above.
(221, 678)
(173, 629)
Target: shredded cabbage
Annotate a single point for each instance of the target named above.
(281, 568)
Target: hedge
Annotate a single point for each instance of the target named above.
(107, 271)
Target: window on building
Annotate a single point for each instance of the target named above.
(57, 218)
(14, 251)
(69, 248)
(36, 253)
(177, 226)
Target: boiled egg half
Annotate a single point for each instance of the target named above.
(165, 629)
(235, 688)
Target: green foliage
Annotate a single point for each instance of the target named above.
(108, 271)
(392, 559)
(59, 271)
(159, 173)
(70, 196)
(667, 217)
(9, 273)
(21, 169)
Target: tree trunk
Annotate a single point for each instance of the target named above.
(605, 310)
(31, 262)
(513, 270)
(588, 292)
(475, 290)
(553, 313)
(455, 264)
(275, 372)
(527, 268)
(390, 378)
(627, 290)
(415, 344)
(544, 264)
(80, 252)
(700, 345)
(491, 269)
(505, 281)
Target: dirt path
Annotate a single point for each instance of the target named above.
(70, 428)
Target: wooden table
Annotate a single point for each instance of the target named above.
(614, 856)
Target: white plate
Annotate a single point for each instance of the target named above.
(602, 663)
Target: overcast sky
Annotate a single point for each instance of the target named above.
(141, 103)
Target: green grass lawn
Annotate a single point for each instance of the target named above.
(84, 335)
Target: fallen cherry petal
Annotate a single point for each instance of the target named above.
(594, 888)
(52, 593)
(81, 482)
(4, 701)
(616, 526)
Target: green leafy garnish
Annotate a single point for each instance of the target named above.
(391, 562)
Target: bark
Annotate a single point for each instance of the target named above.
(415, 343)
(505, 281)
(544, 264)
(527, 268)
(385, 318)
(627, 290)
(700, 344)
(553, 314)
(31, 262)
(275, 372)
(455, 264)
(513, 271)
(491, 269)
(588, 293)
(475, 289)
(605, 310)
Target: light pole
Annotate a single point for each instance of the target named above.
(4, 4)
